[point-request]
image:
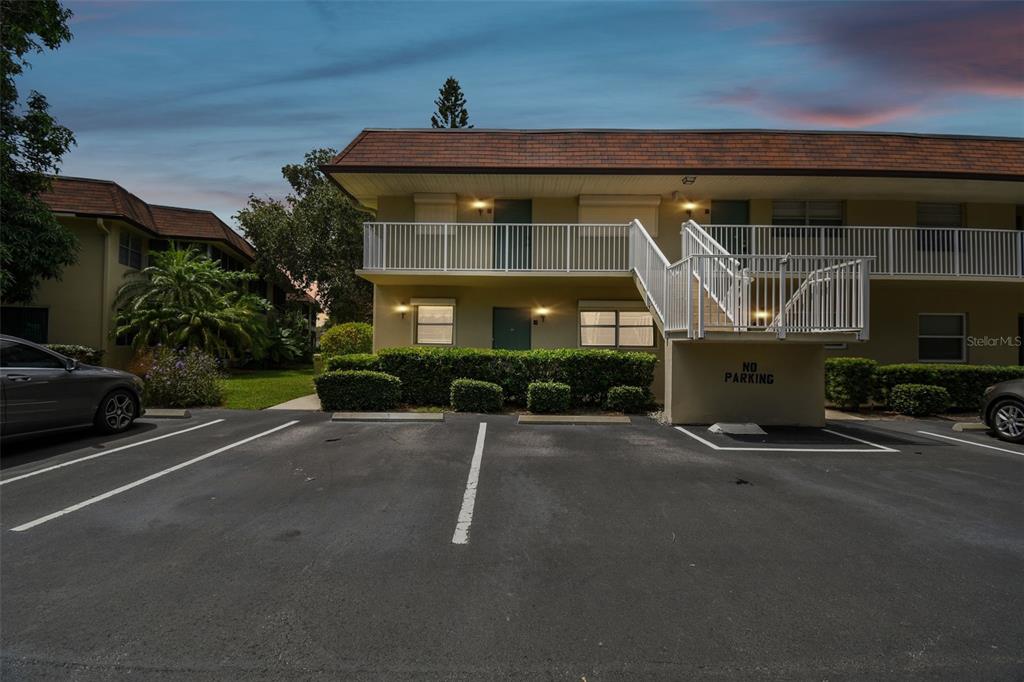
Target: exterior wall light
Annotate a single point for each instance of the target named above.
(402, 308)
(543, 313)
(761, 315)
(480, 205)
(689, 207)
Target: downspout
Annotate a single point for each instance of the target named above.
(105, 274)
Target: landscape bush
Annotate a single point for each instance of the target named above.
(357, 390)
(849, 382)
(628, 399)
(548, 397)
(427, 373)
(919, 400)
(965, 384)
(471, 395)
(367, 361)
(347, 338)
(86, 354)
(182, 378)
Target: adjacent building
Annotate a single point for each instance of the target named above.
(116, 231)
(741, 258)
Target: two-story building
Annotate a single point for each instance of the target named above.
(742, 258)
(116, 231)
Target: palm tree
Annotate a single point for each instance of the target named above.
(185, 300)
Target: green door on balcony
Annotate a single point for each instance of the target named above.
(511, 328)
(512, 234)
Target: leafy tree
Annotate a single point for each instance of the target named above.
(185, 300)
(315, 235)
(451, 107)
(33, 245)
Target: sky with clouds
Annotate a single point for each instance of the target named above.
(199, 104)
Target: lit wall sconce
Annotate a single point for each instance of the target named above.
(761, 315)
(543, 313)
(402, 308)
(480, 206)
(689, 207)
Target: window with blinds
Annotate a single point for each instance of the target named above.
(807, 213)
(939, 215)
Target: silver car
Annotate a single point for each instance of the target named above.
(45, 391)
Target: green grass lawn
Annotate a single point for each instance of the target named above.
(260, 388)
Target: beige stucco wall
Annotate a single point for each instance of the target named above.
(474, 305)
(992, 310)
(703, 391)
(997, 216)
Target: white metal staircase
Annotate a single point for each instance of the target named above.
(712, 290)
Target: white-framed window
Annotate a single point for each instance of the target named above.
(807, 213)
(942, 337)
(616, 329)
(435, 324)
(129, 250)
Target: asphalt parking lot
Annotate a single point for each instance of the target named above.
(281, 545)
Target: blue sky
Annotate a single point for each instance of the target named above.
(199, 104)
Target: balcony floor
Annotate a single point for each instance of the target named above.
(487, 278)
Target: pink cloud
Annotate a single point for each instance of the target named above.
(975, 47)
(817, 109)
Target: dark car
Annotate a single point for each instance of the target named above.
(46, 391)
(1003, 410)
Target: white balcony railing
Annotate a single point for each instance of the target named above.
(897, 251)
(489, 247)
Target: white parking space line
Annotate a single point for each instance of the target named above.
(147, 479)
(971, 442)
(461, 536)
(107, 452)
(874, 446)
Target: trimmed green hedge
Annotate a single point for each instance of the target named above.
(86, 354)
(919, 400)
(470, 395)
(849, 382)
(427, 373)
(358, 390)
(964, 383)
(548, 397)
(347, 338)
(628, 399)
(367, 361)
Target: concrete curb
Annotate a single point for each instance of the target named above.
(387, 417)
(166, 413)
(969, 426)
(571, 419)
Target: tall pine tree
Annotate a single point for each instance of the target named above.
(451, 107)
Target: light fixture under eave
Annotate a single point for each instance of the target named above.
(402, 308)
(480, 205)
(689, 207)
(761, 315)
(543, 313)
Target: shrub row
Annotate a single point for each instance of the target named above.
(965, 384)
(851, 382)
(427, 373)
(86, 354)
(181, 378)
(919, 400)
(358, 390)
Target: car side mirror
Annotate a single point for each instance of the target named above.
(71, 364)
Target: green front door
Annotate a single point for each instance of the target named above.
(513, 235)
(511, 328)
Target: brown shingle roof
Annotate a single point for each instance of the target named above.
(747, 152)
(103, 198)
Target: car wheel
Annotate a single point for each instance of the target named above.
(1008, 420)
(116, 412)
